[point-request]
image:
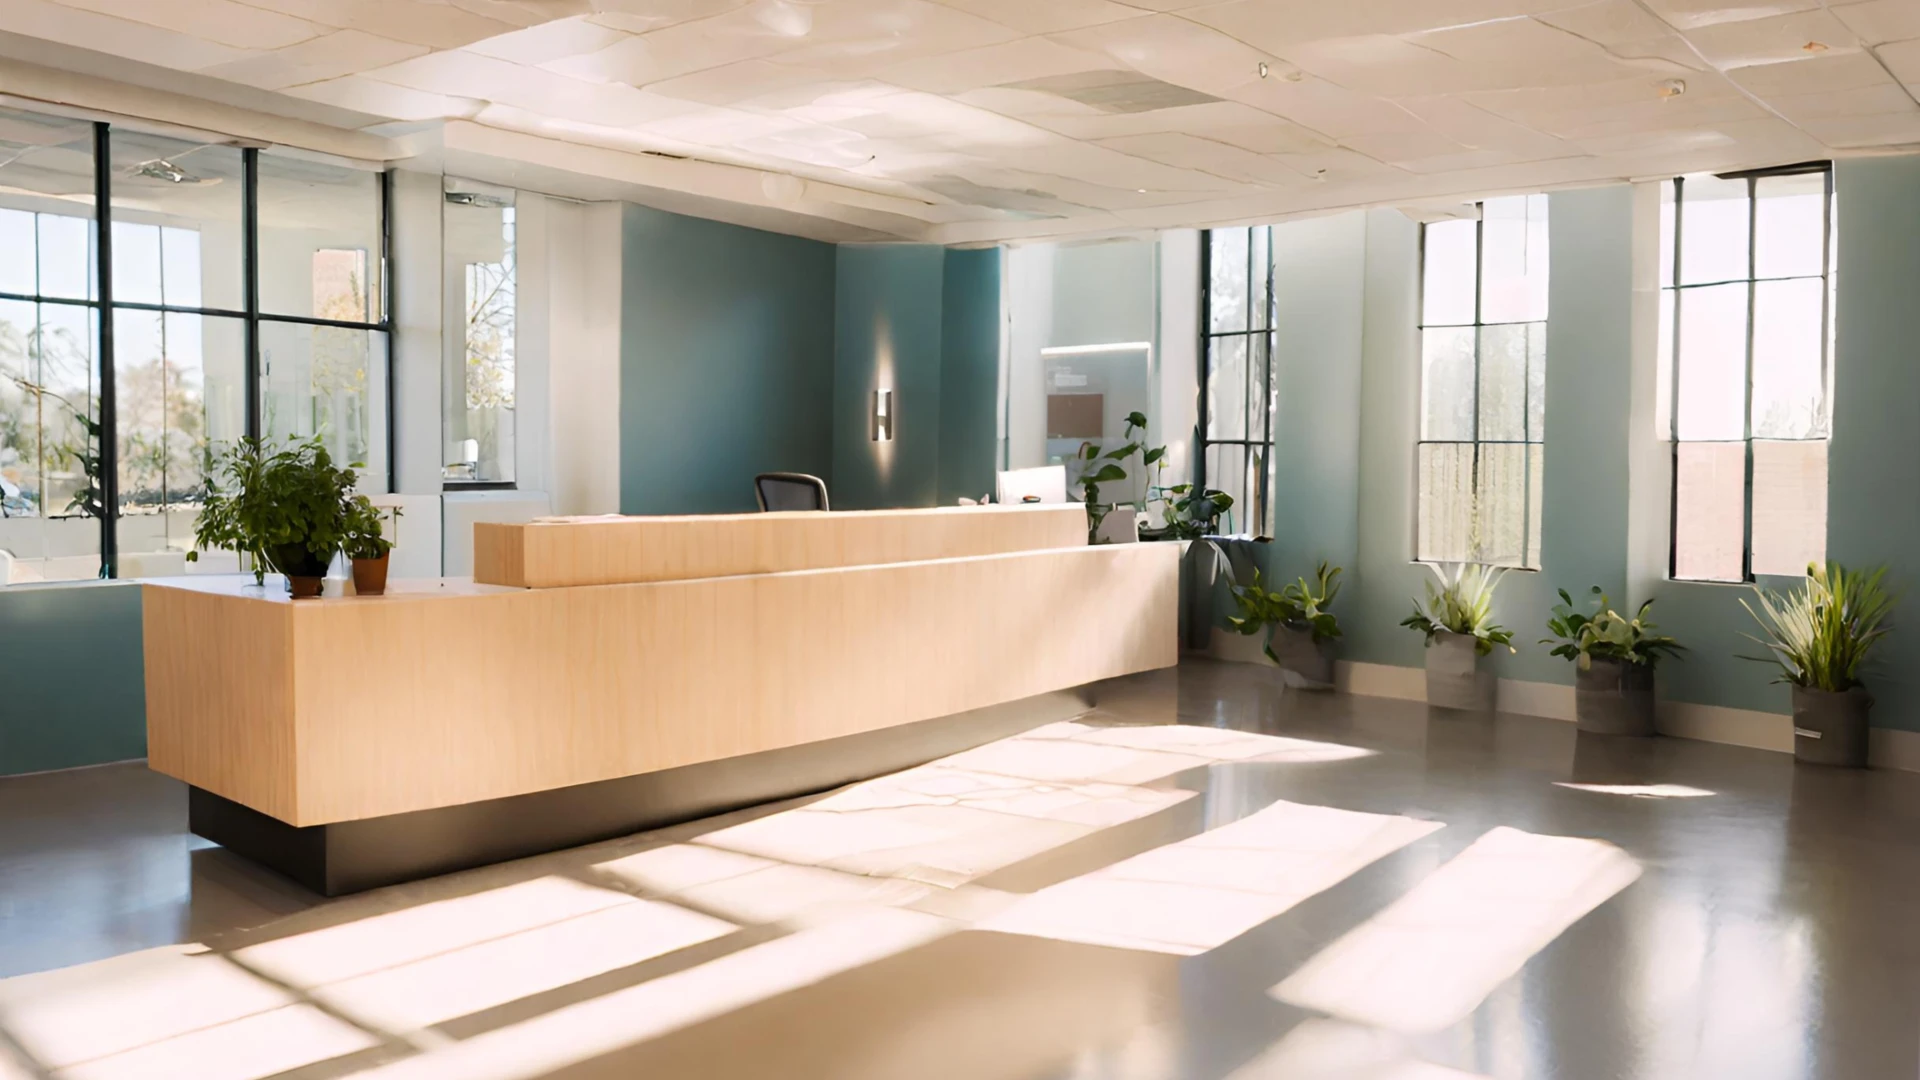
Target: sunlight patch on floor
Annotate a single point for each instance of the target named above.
(1642, 791)
(1330, 1050)
(1202, 892)
(1430, 959)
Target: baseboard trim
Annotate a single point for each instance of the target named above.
(74, 768)
(1890, 748)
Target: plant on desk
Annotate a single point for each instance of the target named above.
(367, 546)
(284, 509)
(1188, 512)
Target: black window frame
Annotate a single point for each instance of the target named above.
(1752, 281)
(104, 306)
(1478, 326)
(1255, 518)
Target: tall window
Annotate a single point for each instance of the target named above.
(1746, 337)
(1483, 345)
(1236, 389)
(181, 303)
(482, 278)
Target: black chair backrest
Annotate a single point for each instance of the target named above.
(790, 491)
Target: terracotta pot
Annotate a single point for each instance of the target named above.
(305, 586)
(1613, 697)
(1830, 727)
(1454, 678)
(370, 575)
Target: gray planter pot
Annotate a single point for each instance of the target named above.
(1830, 728)
(1454, 678)
(1614, 697)
(1296, 651)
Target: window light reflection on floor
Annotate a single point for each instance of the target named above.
(1431, 958)
(606, 1024)
(1197, 894)
(1330, 1050)
(1643, 791)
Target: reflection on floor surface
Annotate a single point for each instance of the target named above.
(1206, 877)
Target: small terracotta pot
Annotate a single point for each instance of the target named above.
(305, 587)
(370, 575)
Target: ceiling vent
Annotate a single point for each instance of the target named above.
(1115, 91)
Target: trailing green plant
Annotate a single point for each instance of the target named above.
(364, 537)
(1260, 608)
(1819, 634)
(286, 509)
(1606, 634)
(1462, 604)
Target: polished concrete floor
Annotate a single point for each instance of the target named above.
(1206, 877)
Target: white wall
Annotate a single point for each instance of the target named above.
(584, 298)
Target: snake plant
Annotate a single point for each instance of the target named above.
(1819, 635)
(1461, 604)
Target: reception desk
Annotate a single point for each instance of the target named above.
(361, 740)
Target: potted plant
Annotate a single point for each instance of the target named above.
(1300, 629)
(285, 509)
(367, 546)
(1457, 618)
(1614, 659)
(1819, 636)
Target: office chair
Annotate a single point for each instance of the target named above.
(790, 491)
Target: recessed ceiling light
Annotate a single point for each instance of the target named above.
(1141, 190)
(1263, 69)
(1815, 46)
(1671, 88)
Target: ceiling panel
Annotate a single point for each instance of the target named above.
(1020, 118)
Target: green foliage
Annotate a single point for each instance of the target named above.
(1301, 605)
(287, 509)
(1191, 513)
(1462, 604)
(364, 538)
(1098, 468)
(1606, 634)
(1819, 634)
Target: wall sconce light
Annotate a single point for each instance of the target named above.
(883, 416)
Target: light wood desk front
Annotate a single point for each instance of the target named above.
(333, 710)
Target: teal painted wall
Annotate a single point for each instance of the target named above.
(75, 692)
(1873, 492)
(1318, 284)
(887, 335)
(969, 373)
(1873, 512)
(726, 362)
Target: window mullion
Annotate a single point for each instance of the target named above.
(1746, 414)
(1479, 275)
(1673, 394)
(250, 286)
(107, 444)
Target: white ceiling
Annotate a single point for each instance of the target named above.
(974, 120)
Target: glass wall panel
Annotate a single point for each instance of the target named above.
(181, 396)
(1789, 505)
(480, 386)
(49, 401)
(320, 240)
(182, 196)
(1713, 230)
(330, 382)
(1447, 282)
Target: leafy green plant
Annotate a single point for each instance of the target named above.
(1606, 634)
(364, 538)
(1191, 512)
(1301, 605)
(287, 509)
(1461, 604)
(1109, 467)
(1819, 635)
